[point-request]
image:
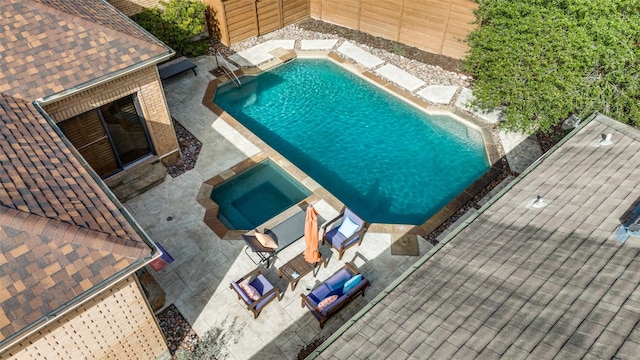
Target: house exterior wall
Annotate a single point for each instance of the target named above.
(116, 324)
(146, 84)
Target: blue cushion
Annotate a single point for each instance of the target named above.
(337, 280)
(351, 283)
(320, 293)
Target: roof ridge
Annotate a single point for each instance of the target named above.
(120, 24)
(59, 231)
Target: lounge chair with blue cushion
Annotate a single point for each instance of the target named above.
(255, 291)
(335, 292)
(345, 231)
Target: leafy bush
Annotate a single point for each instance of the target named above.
(543, 60)
(176, 26)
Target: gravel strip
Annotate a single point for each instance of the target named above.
(433, 69)
(189, 148)
(177, 330)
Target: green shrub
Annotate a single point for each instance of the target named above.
(544, 60)
(176, 26)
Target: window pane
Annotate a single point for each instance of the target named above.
(101, 157)
(83, 129)
(87, 135)
(126, 130)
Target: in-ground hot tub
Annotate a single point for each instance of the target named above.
(255, 195)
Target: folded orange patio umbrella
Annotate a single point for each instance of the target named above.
(311, 254)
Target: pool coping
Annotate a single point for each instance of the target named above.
(318, 192)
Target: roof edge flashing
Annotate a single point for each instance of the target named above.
(47, 100)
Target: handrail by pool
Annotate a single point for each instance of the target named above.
(227, 69)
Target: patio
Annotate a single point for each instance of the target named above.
(197, 282)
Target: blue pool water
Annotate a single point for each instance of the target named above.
(256, 195)
(385, 159)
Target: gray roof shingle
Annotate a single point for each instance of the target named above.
(520, 281)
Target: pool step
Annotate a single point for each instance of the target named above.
(284, 55)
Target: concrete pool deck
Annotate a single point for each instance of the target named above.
(197, 282)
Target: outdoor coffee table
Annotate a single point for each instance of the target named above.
(298, 267)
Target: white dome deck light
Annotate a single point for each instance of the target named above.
(606, 140)
(538, 203)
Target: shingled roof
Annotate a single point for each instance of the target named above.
(51, 46)
(61, 235)
(523, 282)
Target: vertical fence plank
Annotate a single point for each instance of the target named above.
(381, 18)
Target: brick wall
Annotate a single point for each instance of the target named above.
(148, 88)
(131, 7)
(117, 324)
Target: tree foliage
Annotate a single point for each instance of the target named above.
(176, 25)
(543, 60)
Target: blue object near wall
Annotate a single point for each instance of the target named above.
(159, 263)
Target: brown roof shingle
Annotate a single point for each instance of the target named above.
(49, 46)
(61, 235)
(521, 282)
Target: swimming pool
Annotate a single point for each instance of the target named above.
(383, 158)
(256, 195)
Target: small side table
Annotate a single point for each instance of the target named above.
(298, 267)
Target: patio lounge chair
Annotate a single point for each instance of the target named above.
(265, 292)
(335, 292)
(347, 230)
(285, 234)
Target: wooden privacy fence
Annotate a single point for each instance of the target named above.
(437, 26)
(235, 20)
(433, 25)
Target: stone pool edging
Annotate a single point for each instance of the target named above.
(397, 231)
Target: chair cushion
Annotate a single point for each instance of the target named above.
(251, 292)
(336, 281)
(337, 239)
(351, 283)
(266, 240)
(319, 293)
(348, 227)
(326, 301)
(265, 301)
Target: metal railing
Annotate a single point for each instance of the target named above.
(226, 68)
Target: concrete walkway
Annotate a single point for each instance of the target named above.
(197, 282)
